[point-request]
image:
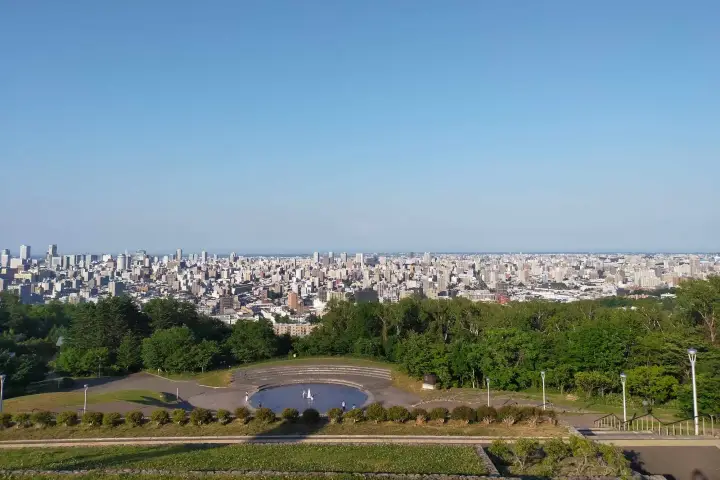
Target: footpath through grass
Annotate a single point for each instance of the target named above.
(212, 378)
(277, 458)
(61, 401)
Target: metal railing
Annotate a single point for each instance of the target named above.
(651, 424)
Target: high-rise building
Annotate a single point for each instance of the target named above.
(203, 256)
(331, 257)
(316, 257)
(178, 254)
(24, 253)
(52, 251)
(5, 258)
(293, 300)
(121, 263)
(116, 289)
(359, 258)
(343, 257)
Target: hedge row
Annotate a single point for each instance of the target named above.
(201, 416)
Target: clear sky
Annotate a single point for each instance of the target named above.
(374, 125)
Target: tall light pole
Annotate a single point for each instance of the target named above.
(692, 354)
(85, 404)
(542, 375)
(623, 378)
(487, 380)
(2, 386)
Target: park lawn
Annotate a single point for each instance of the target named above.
(278, 458)
(60, 401)
(179, 475)
(254, 427)
(211, 378)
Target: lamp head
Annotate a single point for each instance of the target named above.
(85, 386)
(623, 377)
(542, 373)
(692, 351)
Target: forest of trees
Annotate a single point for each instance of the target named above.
(583, 346)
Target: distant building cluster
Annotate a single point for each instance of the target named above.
(288, 290)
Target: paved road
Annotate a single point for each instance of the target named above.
(678, 462)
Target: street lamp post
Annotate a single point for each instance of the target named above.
(542, 375)
(2, 386)
(692, 354)
(85, 403)
(623, 378)
(487, 380)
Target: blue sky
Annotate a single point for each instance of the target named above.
(293, 126)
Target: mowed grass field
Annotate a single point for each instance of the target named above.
(276, 458)
(61, 401)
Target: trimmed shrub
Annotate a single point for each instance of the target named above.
(311, 416)
(224, 416)
(134, 418)
(463, 413)
(265, 415)
(112, 419)
(500, 450)
(92, 419)
(242, 414)
(21, 420)
(398, 414)
(179, 416)
(419, 414)
(160, 416)
(486, 414)
(556, 450)
(438, 414)
(290, 415)
(551, 416)
(5, 420)
(524, 450)
(355, 415)
(68, 419)
(376, 412)
(42, 419)
(335, 415)
(201, 416)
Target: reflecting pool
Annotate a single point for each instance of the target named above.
(320, 396)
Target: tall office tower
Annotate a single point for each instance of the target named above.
(203, 256)
(359, 258)
(316, 257)
(426, 258)
(116, 289)
(331, 257)
(24, 253)
(121, 263)
(343, 257)
(178, 254)
(52, 251)
(5, 258)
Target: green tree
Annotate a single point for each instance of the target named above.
(129, 353)
(700, 300)
(171, 350)
(204, 354)
(652, 384)
(252, 341)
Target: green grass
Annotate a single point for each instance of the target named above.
(211, 378)
(283, 428)
(59, 401)
(280, 458)
(175, 476)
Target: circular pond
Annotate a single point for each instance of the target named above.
(320, 396)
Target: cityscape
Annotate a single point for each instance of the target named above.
(288, 291)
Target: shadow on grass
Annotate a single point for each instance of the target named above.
(107, 458)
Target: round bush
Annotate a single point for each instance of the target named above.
(160, 416)
(242, 414)
(290, 415)
(311, 416)
(223, 416)
(438, 414)
(335, 415)
(463, 413)
(376, 412)
(355, 415)
(419, 414)
(42, 419)
(21, 420)
(134, 418)
(486, 414)
(68, 419)
(5, 420)
(92, 419)
(201, 416)
(179, 416)
(398, 414)
(265, 415)
(112, 419)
